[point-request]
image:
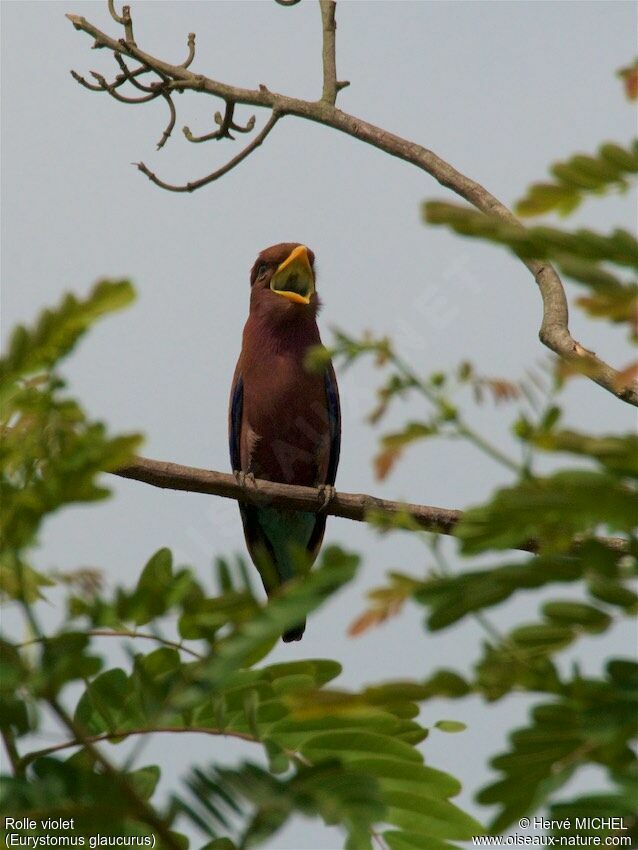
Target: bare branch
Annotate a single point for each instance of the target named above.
(554, 330)
(129, 76)
(171, 121)
(191, 50)
(86, 740)
(353, 506)
(215, 175)
(85, 83)
(225, 124)
(114, 15)
(124, 19)
(330, 84)
(128, 633)
(110, 88)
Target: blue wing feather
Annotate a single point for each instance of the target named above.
(334, 419)
(234, 432)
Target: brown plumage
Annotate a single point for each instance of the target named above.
(284, 421)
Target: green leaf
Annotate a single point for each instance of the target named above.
(399, 775)
(58, 330)
(579, 175)
(435, 818)
(613, 593)
(618, 453)
(349, 745)
(151, 593)
(446, 683)
(577, 614)
(64, 658)
(103, 705)
(144, 780)
(541, 637)
(450, 725)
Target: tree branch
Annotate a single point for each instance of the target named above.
(8, 739)
(85, 740)
(214, 175)
(330, 85)
(127, 633)
(554, 330)
(354, 506)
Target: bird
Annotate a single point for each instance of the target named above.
(284, 421)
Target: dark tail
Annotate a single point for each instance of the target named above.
(294, 634)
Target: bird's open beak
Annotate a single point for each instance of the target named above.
(294, 279)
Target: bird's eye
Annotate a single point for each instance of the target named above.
(261, 271)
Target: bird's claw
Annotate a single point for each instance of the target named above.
(328, 493)
(242, 477)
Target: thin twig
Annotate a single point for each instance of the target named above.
(222, 122)
(191, 50)
(328, 52)
(353, 506)
(110, 88)
(331, 86)
(462, 427)
(124, 19)
(130, 75)
(225, 124)
(130, 633)
(128, 25)
(171, 121)
(114, 15)
(127, 733)
(12, 751)
(85, 83)
(215, 175)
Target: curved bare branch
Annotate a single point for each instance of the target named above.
(225, 124)
(117, 18)
(191, 186)
(171, 121)
(124, 19)
(110, 89)
(191, 50)
(554, 330)
(129, 75)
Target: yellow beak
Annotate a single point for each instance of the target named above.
(294, 279)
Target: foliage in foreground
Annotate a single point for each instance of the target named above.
(348, 758)
(576, 720)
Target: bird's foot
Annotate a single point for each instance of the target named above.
(242, 477)
(328, 493)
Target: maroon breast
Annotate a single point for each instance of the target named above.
(285, 428)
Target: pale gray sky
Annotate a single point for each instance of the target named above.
(499, 89)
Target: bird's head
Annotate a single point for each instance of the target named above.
(282, 281)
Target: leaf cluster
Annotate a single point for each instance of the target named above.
(51, 453)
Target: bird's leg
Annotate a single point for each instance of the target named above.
(328, 493)
(242, 477)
